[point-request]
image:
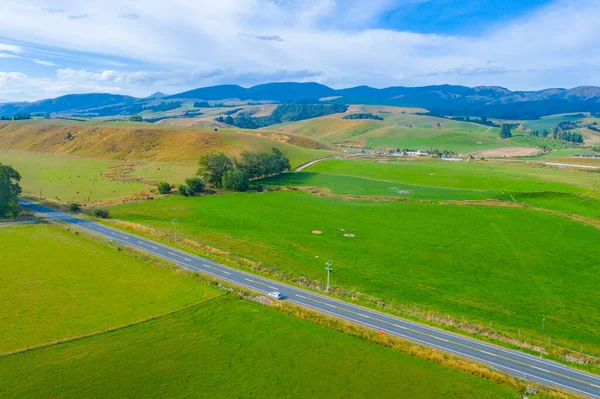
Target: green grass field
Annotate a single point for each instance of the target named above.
(468, 175)
(67, 178)
(343, 185)
(228, 348)
(55, 284)
(550, 122)
(501, 265)
(400, 131)
(254, 142)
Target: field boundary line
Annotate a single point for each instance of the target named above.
(106, 331)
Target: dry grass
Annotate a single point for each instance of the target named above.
(113, 143)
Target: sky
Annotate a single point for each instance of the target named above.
(50, 48)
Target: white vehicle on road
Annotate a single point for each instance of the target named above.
(275, 295)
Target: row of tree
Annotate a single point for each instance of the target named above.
(366, 115)
(17, 117)
(9, 191)
(220, 171)
(558, 134)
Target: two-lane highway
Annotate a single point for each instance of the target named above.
(511, 361)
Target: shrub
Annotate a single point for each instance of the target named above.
(74, 207)
(195, 184)
(185, 190)
(100, 213)
(164, 187)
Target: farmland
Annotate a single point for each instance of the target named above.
(400, 130)
(468, 176)
(216, 347)
(67, 178)
(485, 263)
(231, 348)
(57, 285)
(86, 163)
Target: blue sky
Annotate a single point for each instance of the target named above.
(54, 47)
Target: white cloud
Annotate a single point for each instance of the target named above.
(196, 42)
(11, 48)
(43, 62)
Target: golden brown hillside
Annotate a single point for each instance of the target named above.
(113, 143)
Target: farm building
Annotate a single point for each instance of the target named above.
(587, 156)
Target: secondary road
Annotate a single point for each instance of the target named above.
(511, 361)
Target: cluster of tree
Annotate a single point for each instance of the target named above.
(284, 113)
(16, 117)
(205, 104)
(505, 131)
(566, 125)
(567, 136)
(481, 121)
(561, 132)
(192, 113)
(363, 116)
(136, 118)
(221, 171)
(163, 107)
(442, 153)
(9, 191)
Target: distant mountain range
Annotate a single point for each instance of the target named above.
(489, 101)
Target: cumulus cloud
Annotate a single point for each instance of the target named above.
(335, 42)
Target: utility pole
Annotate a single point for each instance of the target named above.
(40, 193)
(175, 228)
(329, 270)
(542, 346)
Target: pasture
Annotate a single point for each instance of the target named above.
(399, 130)
(66, 178)
(488, 264)
(229, 348)
(493, 176)
(56, 285)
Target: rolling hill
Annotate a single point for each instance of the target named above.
(489, 101)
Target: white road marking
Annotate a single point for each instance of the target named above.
(182, 257)
(143, 243)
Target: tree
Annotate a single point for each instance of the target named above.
(195, 184)
(74, 207)
(136, 118)
(235, 180)
(505, 131)
(9, 190)
(163, 187)
(213, 167)
(260, 164)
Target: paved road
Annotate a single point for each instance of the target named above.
(513, 362)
